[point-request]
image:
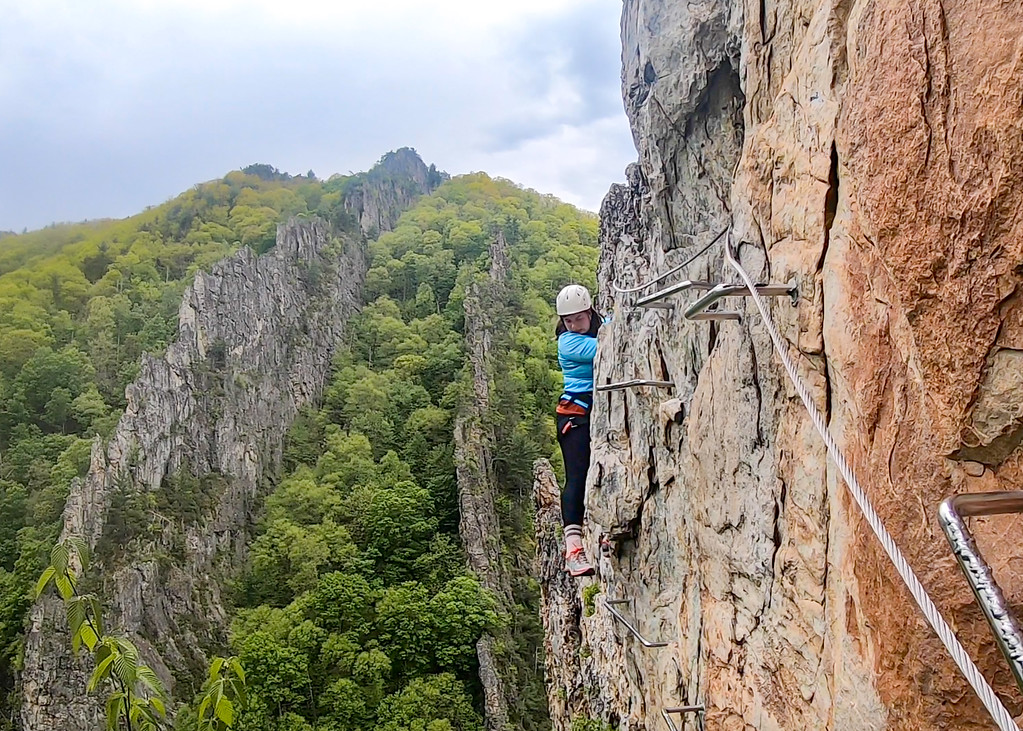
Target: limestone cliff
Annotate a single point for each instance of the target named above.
(479, 525)
(202, 435)
(871, 154)
(255, 340)
(377, 198)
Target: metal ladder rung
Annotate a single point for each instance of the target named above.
(664, 275)
(611, 603)
(654, 299)
(735, 290)
(698, 710)
(633, 383)
(978, 574)
(665, 712)
(716, 315)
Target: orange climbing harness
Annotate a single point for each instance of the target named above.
(571, 408)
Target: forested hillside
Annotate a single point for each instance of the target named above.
(354, 610)
(79, 304)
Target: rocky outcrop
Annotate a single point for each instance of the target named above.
(378, 197)
(570, 678)
(869, 153)
(256, 337)
(200, 442)
(479, 525)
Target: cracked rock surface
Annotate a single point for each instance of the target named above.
(255, 341)
(870, 153)
(256, 336)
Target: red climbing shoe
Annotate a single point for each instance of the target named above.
(576, 563)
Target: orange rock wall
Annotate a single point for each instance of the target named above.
(871, 153)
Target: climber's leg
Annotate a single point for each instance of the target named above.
(575, 448)
(573, 538)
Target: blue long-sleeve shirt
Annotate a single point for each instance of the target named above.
(575, 356)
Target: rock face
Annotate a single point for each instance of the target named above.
(378, 197)
(256, 337)
(479, 525)
(869, 153)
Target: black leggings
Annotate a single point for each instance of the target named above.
(575, 448)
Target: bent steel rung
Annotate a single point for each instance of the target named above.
(664, 275)
(721, 291)
(611, 603)
(978, 574)
(698, 710)
(654, 299)
(633, 383)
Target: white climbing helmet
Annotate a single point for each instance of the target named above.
(572, 299)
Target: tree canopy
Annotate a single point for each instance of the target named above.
(355, 610)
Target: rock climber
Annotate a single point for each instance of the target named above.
(578, 323)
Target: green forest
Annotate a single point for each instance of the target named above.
(355, 610)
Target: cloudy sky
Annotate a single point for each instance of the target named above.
(108, 106)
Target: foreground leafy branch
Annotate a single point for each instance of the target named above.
(223, 695)
(137, 698)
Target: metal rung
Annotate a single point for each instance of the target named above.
(736, 290)
(654, 299)
(716, 315)
(635, 382)
(664, 275)
(698, 710)
(978, 574)
(610, 604)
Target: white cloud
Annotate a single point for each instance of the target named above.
(111, 105)
(576, 163)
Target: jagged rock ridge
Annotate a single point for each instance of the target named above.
(256, 338)
(479, 525)
(870, 154)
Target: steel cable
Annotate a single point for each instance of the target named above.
(958, 653)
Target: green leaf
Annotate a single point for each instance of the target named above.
(225, 711)
(141, 713)
(65, 583)
(216, 693)
(97, 614)
(103, 650)
(126, 667)
(151, 680)
(238, 689)
(81, 551)
(59, 556)
(101, 673)
(237, 669)
(89, 637)
(75, 610)
(115, 710)
(44, 579)
(158, 705)
(204, 706)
